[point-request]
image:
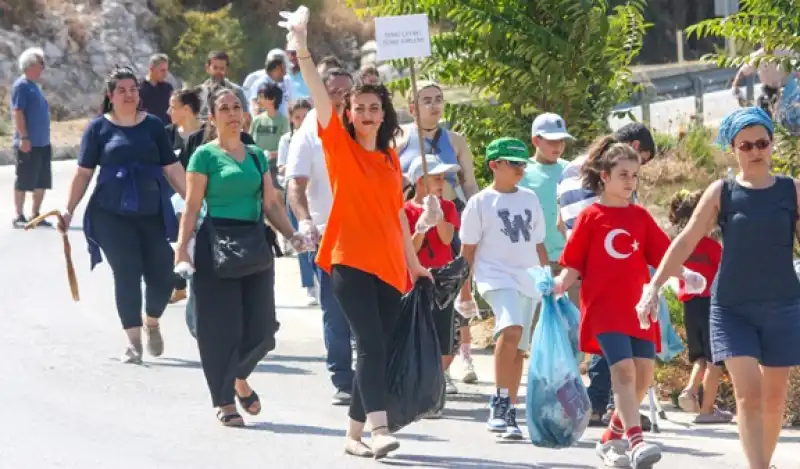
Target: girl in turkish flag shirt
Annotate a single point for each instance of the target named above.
(611, 246)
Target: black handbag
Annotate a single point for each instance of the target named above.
(239, 250)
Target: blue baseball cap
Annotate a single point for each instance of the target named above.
(550, 126)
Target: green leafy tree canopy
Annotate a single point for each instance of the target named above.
(773, 25)
(205, 32)
(521, 58)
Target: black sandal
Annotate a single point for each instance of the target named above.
(230, 420)
(248, 402)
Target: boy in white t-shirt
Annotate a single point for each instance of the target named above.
(502, 235)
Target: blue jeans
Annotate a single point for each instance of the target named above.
(305, 259)
(336, 333)
(599, 389)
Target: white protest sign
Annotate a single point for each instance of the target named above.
(402, 37)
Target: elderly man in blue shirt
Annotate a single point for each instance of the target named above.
(31, 118)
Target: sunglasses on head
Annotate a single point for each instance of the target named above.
(761, 144)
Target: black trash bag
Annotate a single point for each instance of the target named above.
(448, 281)
(414, 378)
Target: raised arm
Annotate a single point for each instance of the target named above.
(319, 94)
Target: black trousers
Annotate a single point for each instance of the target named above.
(371, 307)
(136, 247)
(235, 321)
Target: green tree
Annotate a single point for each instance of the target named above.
(773, 25)
(205, 32)
(520, 58)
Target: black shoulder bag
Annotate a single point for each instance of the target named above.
(241, 250)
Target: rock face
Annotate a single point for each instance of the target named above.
(81, 42)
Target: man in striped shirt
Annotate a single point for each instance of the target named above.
(572, 199)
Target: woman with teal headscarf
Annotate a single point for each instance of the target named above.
(755, 299)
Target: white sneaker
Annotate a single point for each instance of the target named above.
(644, 455)
(312, 296)
(450, 387)
(613, 453)
(469, 377)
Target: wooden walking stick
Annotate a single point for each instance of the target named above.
(71, 277)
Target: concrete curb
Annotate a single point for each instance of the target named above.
(60, 153)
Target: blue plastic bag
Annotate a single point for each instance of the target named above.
(568, 312)
(671, 343)
(558, 407)
(788, 108)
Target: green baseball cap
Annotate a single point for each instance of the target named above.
(507, 148)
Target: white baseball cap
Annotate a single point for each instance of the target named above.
(550, 126)
(435, 166)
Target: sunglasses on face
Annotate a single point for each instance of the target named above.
(515, 164)
(760, 144)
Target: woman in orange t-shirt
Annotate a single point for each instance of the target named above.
(367, 246)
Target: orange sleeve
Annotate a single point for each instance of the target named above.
(336, 146)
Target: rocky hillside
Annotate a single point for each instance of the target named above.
(81, 39)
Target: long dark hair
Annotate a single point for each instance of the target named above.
(119, 72)
(390, 127)
(297, 105)
(214, 93)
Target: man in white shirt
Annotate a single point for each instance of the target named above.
(310, 198)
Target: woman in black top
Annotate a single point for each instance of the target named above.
(184, 106)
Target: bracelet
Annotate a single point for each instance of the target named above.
(304, 57)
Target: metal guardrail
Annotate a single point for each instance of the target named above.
(685, 85)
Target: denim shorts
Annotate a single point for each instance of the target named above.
(768, 332)
(512, 308)
(617, 347)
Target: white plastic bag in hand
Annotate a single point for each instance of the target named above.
(295, 22)
(301, 243)
(308, 229)
(466, 308)
(431, 214)
(694, 282)
(647, 308)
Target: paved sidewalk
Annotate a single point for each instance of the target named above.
(70, 403)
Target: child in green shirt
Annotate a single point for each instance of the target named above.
(268, 127)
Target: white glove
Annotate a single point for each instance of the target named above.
(296, 23)
(301, 243)
(647, 308)
(466, 308)
(431, 214)
(694, 283)
(184, 270)
(308, 229)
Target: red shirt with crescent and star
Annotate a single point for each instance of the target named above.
(612, 248)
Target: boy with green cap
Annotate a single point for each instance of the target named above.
(502, 235)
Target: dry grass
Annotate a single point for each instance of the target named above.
(62, 134)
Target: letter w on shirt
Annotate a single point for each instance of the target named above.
(519, 225)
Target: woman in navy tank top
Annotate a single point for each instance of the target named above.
(755, 303)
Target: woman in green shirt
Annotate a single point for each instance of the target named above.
(236, 322)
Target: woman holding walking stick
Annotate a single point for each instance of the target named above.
(129, 216)
(367, 246)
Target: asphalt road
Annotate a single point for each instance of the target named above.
(69, 403)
